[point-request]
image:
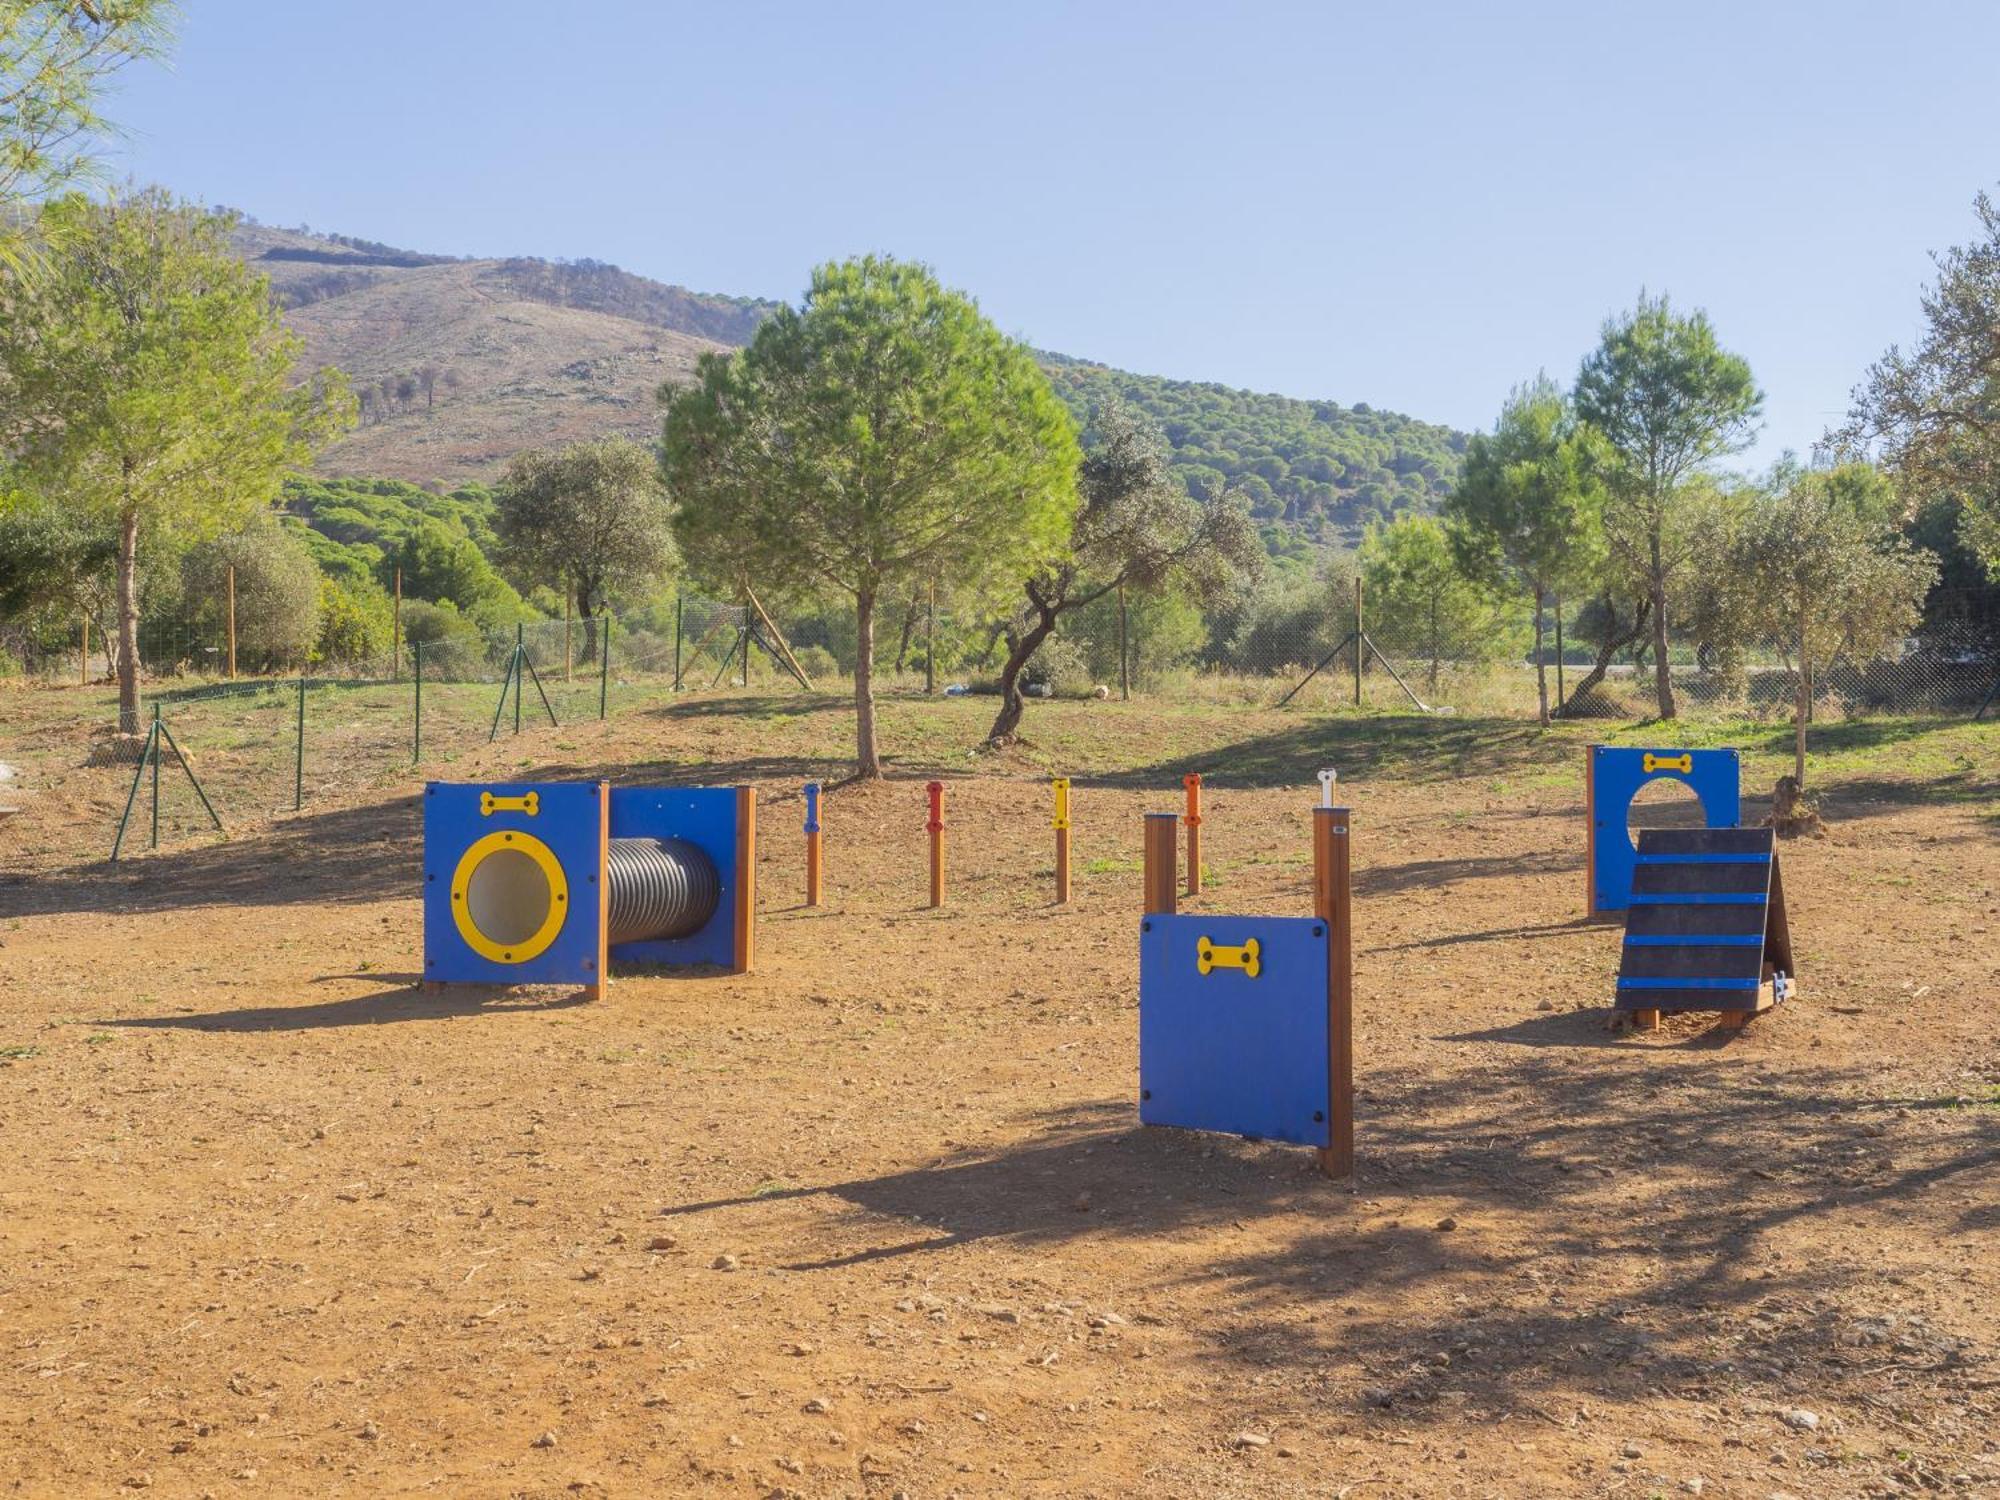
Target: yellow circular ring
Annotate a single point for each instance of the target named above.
(461, 880)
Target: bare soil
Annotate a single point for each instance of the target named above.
(878, 1219)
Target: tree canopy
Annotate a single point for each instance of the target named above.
(55, 57)
(146, 381)
(1930, 413)
(1529, 504)
(1668, 400)
(586, 520)
(884, 433)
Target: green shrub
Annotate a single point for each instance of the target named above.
(356, 624)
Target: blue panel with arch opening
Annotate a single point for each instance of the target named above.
(1616, 775)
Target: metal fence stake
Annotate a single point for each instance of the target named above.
(604, 659)
(417, 731)
(299, 765)
(153, 744)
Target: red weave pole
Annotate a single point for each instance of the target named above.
(1192, 781)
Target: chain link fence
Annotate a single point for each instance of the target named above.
(74, 782)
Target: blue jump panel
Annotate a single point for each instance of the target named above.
(704, 816)
(1227, 1052)
(1617, 773)
(564, 822)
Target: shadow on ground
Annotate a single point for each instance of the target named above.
(1638, 1253)
(408, 1002)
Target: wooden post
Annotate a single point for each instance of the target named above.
(1162, 850)
(812, 843)
(1333, 903)
(601, 985)
(1192, 781)
(83, 658)
(1360, 642)
(229, 575)
(1645, 1020)
(1060, 784)
(396, 633)
(936, 827)
(746, 878)
(1590, 911)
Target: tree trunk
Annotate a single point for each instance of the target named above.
(1799, 718)
(1663, 674)
(1012, 704)
(867, 756)
(128, 622)
(1614, 641)
(1541, 666)
(909, 628)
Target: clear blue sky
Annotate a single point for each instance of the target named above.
(1411, 205)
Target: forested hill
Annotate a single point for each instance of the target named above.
(1321, 468)
(461, 363)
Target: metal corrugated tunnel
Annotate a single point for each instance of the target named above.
(660, 888)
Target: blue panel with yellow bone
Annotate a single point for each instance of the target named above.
(511, 876)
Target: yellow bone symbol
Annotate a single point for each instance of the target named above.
(1061, 785)
(1209, 957)
(528, 802)
(1683, 763)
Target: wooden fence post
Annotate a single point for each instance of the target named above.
(1162, 851)
(1333, 903)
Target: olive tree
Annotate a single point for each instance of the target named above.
(1137, 527)
(587, 520)
(1831, 575)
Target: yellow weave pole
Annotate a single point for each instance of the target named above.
(1060, 785)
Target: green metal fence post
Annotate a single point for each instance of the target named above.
(604, 667)
(195, 781)
(417, 730)
(153, 742)
(299, 764)
(520, 660)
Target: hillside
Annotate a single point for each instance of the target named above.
(462, 362)
(1316, 467)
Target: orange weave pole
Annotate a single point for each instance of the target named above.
(1192, 781)
(936, 827)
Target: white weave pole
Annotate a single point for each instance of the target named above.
(1326, 780)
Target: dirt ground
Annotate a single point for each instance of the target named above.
(878, 1219)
